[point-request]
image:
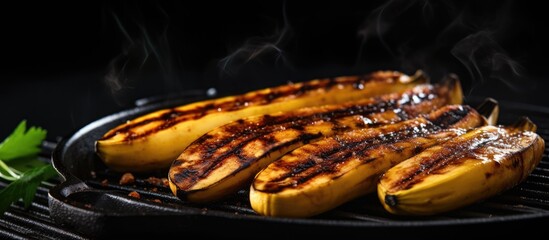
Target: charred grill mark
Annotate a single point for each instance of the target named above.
(340, 128)
(426, 167)
(201, 168)
(509, 159)
(451, 153)
(451, 117)
(242, 158)
(417, 150)
(168, 119)
(211, 163)
(174, 116)
(306, 138)
(208, 164)
(501, 142)
(177, 162)
(185, 176)
(270, 123)
(375, 124)
(237, 134)
(340, 153)
(269, 140)
(359, 147)
(303, 138)
(302, 167)
(362, 125)
(204, 167)
(242, 134)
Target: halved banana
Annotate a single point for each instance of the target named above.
(154, 140)
(462, 171)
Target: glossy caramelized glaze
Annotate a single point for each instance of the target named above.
(334, 157)
(233, 147)
(500, 146)
(142, 127)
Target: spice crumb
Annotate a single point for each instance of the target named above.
(165, 182)
(134, 194)
(153, 180)
(156, 200)
(127, 179)
(105, 182)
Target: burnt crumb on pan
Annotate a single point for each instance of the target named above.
(134, 194)
(105, 183)
(153, 180)
(163, 182)
(126, 179)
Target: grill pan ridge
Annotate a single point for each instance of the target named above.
(91, 201)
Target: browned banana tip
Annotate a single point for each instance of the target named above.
(524, 124)
(489, 109)
(391, 200)
(418, 77)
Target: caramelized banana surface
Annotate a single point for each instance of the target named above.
(464, 170)
(322, 175)
(226, 158)
(154, 140)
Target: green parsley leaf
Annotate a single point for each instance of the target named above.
(19, 163)
(26, 163)
(25, 187)
(22, 143)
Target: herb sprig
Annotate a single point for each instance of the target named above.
(19, 164)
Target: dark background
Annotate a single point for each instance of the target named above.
(68, 64)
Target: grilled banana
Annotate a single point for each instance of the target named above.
(462, 171)
(225, 159)
(325, 174)
(154, 140)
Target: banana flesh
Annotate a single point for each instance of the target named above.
(227, 158)
(322, 175)
(462, 171)
(154, 140)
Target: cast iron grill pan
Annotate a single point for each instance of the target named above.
(91, 202)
